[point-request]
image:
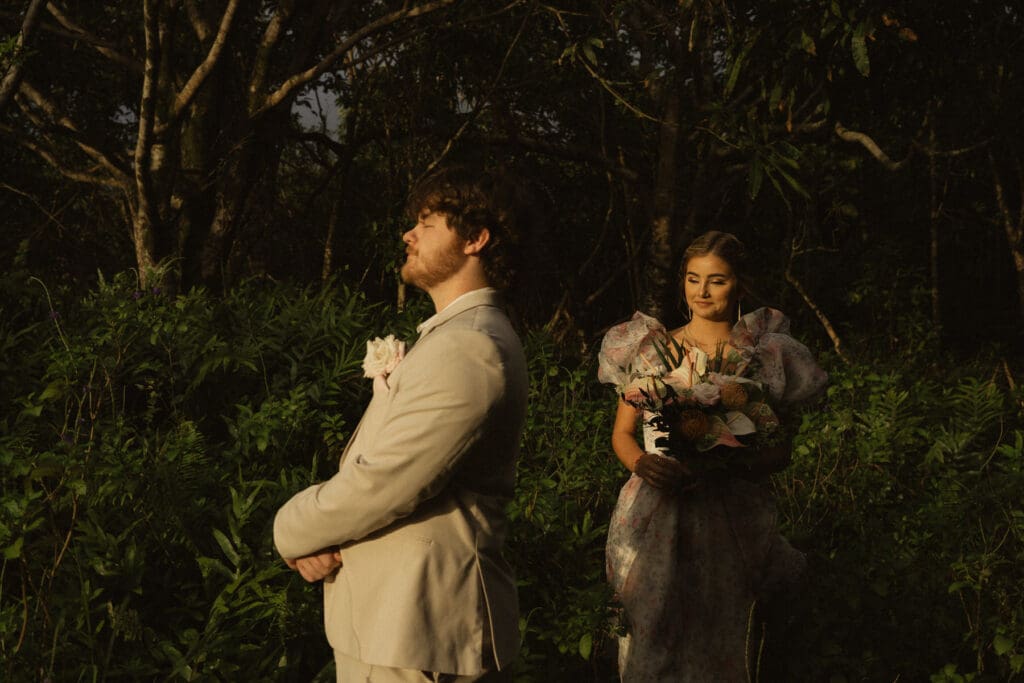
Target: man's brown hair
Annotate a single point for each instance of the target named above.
(471, 200)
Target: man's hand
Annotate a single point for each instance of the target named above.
(317, 566)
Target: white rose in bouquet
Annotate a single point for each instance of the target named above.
(706, 394)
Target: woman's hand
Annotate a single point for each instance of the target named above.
(660, 471)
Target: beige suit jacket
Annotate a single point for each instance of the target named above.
(417, 505)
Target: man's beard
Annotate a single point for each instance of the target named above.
(426, 274)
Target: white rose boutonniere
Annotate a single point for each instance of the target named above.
(382, 357)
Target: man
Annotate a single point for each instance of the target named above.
(407, 536)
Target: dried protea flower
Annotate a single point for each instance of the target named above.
(693, 424)
(733, 396)
(764, 417)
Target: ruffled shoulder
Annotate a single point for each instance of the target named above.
(627, 350)
(785, 366)
(748, 331)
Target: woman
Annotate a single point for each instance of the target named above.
(693, 542)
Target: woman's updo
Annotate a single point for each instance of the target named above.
(724, 245)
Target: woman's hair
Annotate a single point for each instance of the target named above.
(472, 200)
(725, 246)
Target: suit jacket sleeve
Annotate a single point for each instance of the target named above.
(435, 411)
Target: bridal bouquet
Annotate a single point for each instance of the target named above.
(700, 401)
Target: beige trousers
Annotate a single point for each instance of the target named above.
(353, 671)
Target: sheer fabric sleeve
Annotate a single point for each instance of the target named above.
(627, 351)
(786, 367)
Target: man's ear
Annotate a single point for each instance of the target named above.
(475, 245)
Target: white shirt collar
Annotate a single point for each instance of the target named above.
(429, 321)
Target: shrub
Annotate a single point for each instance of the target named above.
(146, 442)
(150, 443)
(906, 494)
(567, 485)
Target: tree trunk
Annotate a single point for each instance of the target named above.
(145, 251)
(327, 266)
(659, 267)
(143, 224)
(1013, 229)
(194, 202)
(934, 209)
(230, 202)
(197, 154)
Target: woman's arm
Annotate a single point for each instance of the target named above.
(655, 469)
(624, 436)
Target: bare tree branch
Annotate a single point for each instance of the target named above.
(932, 151)
(809, 126)
(368, 54)
(104, 47)
(195, 81)
(12, 79)
(60, 120)
(606, 224)
(820, 314)
(271, 36)
(563, 151)
(50, 156)
(1014, 233)
(322, 139)
(483, 105)
(200, 26)
(811, 99)
(1014, 230)
(872, 147)
(49, 214)
(383, 22)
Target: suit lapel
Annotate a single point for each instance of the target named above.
(487, 296)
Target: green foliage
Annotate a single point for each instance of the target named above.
(8, 47)
(568, 480)
(905, 492)
(146, 441)
(144, 450)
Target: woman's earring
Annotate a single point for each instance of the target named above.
(739, 310)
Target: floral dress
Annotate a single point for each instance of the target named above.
(689, 566)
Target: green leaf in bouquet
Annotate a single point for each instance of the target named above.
(670, 352)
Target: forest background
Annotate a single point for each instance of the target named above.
(202, 206)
